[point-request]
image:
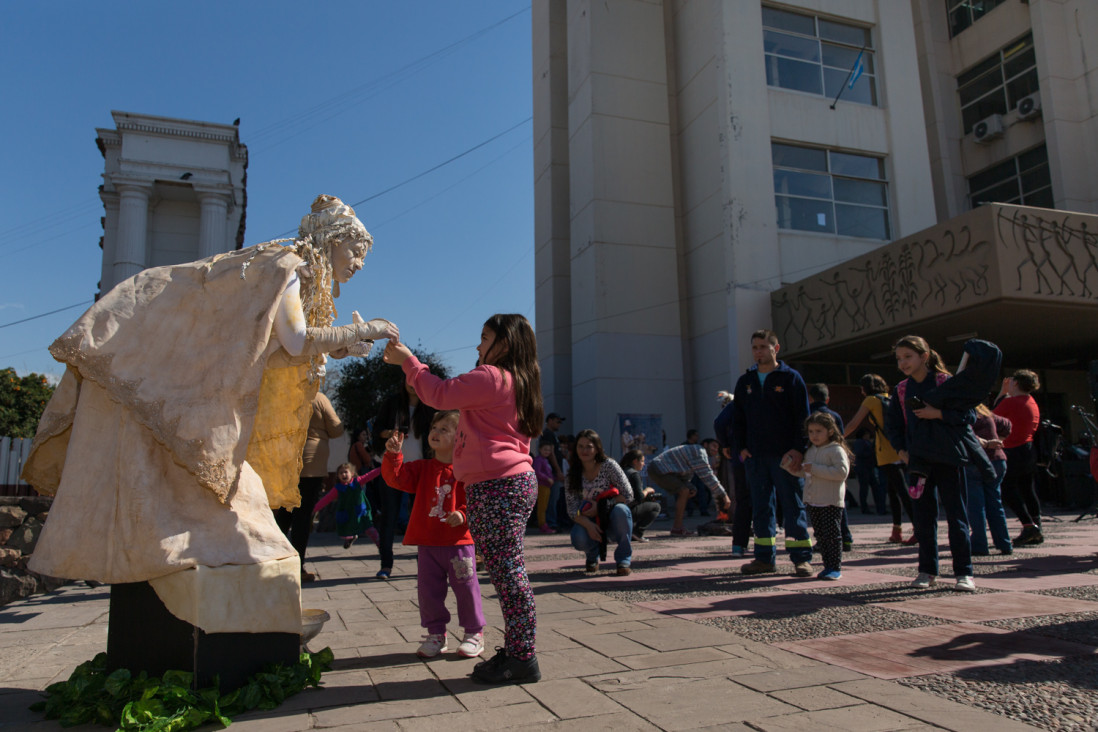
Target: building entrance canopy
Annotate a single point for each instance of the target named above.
(1024, 278)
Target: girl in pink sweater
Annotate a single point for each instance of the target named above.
(501, 409)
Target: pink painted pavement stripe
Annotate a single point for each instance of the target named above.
(937, 649)
(996, 606)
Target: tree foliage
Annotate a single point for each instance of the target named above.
(359, 386)
(22, 401)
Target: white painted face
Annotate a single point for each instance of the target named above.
(347, 259)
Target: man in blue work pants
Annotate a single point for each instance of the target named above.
(768, 414)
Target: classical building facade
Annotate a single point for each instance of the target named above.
(697, 160)
(173, 191)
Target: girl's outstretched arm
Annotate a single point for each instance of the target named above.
(482, 387)
(326, 499)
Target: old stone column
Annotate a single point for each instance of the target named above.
(211, 228)
(133, 224)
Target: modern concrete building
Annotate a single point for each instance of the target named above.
(173, 191)
(693, 168)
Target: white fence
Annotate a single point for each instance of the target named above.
(13, 453)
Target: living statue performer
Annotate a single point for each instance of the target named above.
(179, 424)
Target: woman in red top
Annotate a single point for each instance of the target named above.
(1019, 492)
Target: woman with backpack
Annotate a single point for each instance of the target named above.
(889, 466)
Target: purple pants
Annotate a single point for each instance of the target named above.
(498, 510)
(455, 566)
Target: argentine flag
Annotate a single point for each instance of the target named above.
(856, 71)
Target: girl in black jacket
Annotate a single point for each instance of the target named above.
(929, 422)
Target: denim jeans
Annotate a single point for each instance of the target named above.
(945, 483)
(554, 498)
(984, 500)
(769, 484)
(620, 531)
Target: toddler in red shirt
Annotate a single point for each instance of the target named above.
(438, 526)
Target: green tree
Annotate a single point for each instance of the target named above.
(359, 386)
(22, 401)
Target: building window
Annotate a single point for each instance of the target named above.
(810, 54)
(995, 85)
(1024, 179)
(830, 192)
(963, 13)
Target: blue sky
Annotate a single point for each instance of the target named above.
(347, 98)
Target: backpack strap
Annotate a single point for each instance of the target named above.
(901, 394)
(873, 420)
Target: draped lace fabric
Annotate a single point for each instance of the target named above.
(178, 425)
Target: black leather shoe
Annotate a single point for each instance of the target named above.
(502, 669)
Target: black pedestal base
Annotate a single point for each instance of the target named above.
(143, 636)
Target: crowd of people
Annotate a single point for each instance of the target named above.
(475, 455)
(482, 469)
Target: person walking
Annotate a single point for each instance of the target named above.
(297, 524)
(875, 405)
(1019, 492)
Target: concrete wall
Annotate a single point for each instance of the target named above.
(1067, 65)
(673, 247)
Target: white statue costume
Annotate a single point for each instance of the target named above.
(180, 421)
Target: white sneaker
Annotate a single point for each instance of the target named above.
(924, 580)
(432, 645)
(472, 645)
(964, 584)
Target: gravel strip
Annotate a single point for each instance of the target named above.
(890, 592)
(1053, 695)
(820, 623)
(1074, 627)
(1085, 592)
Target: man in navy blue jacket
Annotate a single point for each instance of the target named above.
(768, 417)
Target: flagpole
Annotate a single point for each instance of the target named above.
(847, 79)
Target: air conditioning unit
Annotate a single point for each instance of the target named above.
(988, 128)
(1029, 107)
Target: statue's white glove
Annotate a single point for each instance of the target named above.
(348, 340)
(326, 340)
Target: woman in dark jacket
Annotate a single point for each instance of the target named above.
(929, 422)
(402, 412)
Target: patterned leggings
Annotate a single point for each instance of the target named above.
(498, 511)
(826, 522)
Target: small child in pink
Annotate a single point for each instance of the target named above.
(439, 528)
(354, 517)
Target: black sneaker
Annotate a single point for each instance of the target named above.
(1030, 535)
(502, 669)
(492, 663)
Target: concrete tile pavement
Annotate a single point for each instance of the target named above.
(609, 662)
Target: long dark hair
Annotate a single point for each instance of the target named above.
(920, 346)
(520, 359)
(393, 415)
(575, 467)
(873, 384)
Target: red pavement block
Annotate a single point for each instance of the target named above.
(993, 606)
(936, 649)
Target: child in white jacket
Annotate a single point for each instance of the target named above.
(825, 467)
